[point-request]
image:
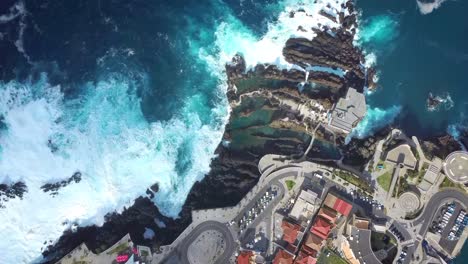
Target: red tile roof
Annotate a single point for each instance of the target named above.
(307, 251)
(290, 231)
(328, 214)
(305, 260)
(321, 228)
(244, 257)
(342, 207)
(282, 257)
(314, 243)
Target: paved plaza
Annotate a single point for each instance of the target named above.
(409, 202)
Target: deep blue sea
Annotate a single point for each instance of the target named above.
(132, 92)
(418, 54)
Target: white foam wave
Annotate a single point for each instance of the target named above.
(375, 119)
(102, 134)
(428, 7)
(234, 37)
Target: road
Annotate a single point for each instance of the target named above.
(179, 254)
(434, 204)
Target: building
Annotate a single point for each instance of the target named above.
(402, 155)
(305, 206)
(290, 231)
(348, 111)
(321, 227)
(245, 257)
(348, 253)
(337, 204)
(314, 243)
(431, 175)
(283, 257)
(328, 214)
(305, 259)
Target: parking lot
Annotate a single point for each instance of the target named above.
(449, 225)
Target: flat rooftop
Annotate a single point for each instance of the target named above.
(349, 111)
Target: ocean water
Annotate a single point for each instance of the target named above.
(129, 93)
(418, 49)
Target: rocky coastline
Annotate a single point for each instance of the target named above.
(267, 116)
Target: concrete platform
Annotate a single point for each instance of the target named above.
(456, 166)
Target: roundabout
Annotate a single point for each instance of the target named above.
(456, 166)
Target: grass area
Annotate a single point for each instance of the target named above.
(447, 183)
(385, 180)
(290, 184)
(333, 258)
(355, 180)
(118, 249)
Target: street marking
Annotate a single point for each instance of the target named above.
(452, 160)
(463, 157)
(451, 172)
(463, 177)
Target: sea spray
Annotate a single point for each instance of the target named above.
(378, 30)
(375, 119)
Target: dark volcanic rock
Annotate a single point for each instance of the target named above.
(440, 146)
(54, 187)
(133, 220)
(12, 191)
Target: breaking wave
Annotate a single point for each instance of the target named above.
(375, 119)
(103, 133)
(427, 7)
(377, 30)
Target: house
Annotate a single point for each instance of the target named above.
(313, 242)
(290, 231)
(337, 204)
(283, 257)
(321, 227)
(305, 259)
(245, 257)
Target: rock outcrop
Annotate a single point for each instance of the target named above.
(53, 188)
(12, 191)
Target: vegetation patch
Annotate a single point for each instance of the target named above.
(447, 183)
(385, 180)
(418, 175)
(355, 180)
(290, 184)
(329, 257)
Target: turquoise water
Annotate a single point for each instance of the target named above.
(416, 55)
